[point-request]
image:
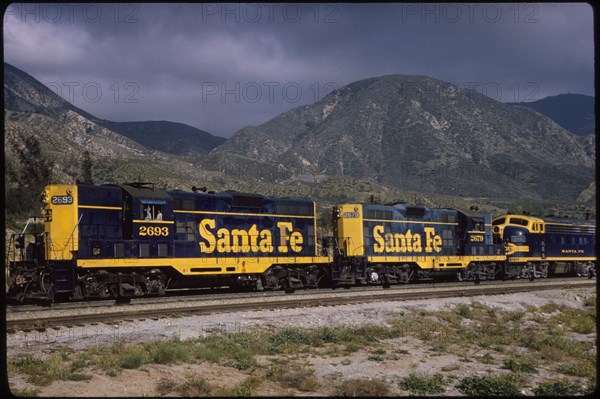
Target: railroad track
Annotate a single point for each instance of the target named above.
(81, 315)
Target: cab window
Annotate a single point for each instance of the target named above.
(151, 211)
(519, 221)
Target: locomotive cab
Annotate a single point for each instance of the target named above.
(523, 244)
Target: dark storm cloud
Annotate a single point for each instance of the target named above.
(220, 67)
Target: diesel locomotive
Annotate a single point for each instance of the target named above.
(134, 239)
(539, 247)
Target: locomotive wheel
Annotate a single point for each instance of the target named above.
(77, 293)
(259, 287)
(20, 296)
(139, 290)
(385, 282)
(114, 291)
(51, 295)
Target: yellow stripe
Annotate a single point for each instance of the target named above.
(569, 225)
(111, 208)
(529, 259)
(246, 214)
(184, 265)
(408, 221)
(153, 221)
(315, 229)
(435, 262)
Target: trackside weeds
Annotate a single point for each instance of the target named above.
(469, 348)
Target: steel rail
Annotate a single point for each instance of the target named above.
(132, 312)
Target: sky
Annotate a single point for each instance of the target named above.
(221, 67)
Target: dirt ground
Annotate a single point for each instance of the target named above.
(410, 355)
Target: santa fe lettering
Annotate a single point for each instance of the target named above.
(405, 242)
(226, 240)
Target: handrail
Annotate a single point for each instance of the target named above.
(72, 234)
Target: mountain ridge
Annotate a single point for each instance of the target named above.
(574, 112)
(415, 132)
(24, 93)
(411, 133)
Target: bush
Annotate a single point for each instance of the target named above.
(244, 388)
(166, 352)
(418, 384)
(361, 387)
(194, 386)
(519, 365)
(488, 386)
(294, 376)
(557, 388)
(44, 371)
(463, 310)
(133, 358)
(582, 368)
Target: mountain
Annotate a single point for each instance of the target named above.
(66, 132)
(170, 137)
(418, 133)
(394, 138)
(574, 112)
(23, 93)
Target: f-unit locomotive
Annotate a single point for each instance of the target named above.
(538, 247)
(133, 239)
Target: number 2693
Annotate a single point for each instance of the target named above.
(154, 231)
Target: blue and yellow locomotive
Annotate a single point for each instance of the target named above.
(539, 247)
(133, 239)
(391, 244)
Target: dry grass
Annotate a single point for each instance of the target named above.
(521, 343)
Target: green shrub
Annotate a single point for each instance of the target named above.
(583, 368)
(245, 388)
(377, 355)
(167, 352)
(294, 376)
(44, 371)
(463, 310)
(194, 386)
(361, 387)
(520, 365)
(590, 300)
(557, 388)
(242, 360)
(418, 384)
(133, 358)
(488, 386)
